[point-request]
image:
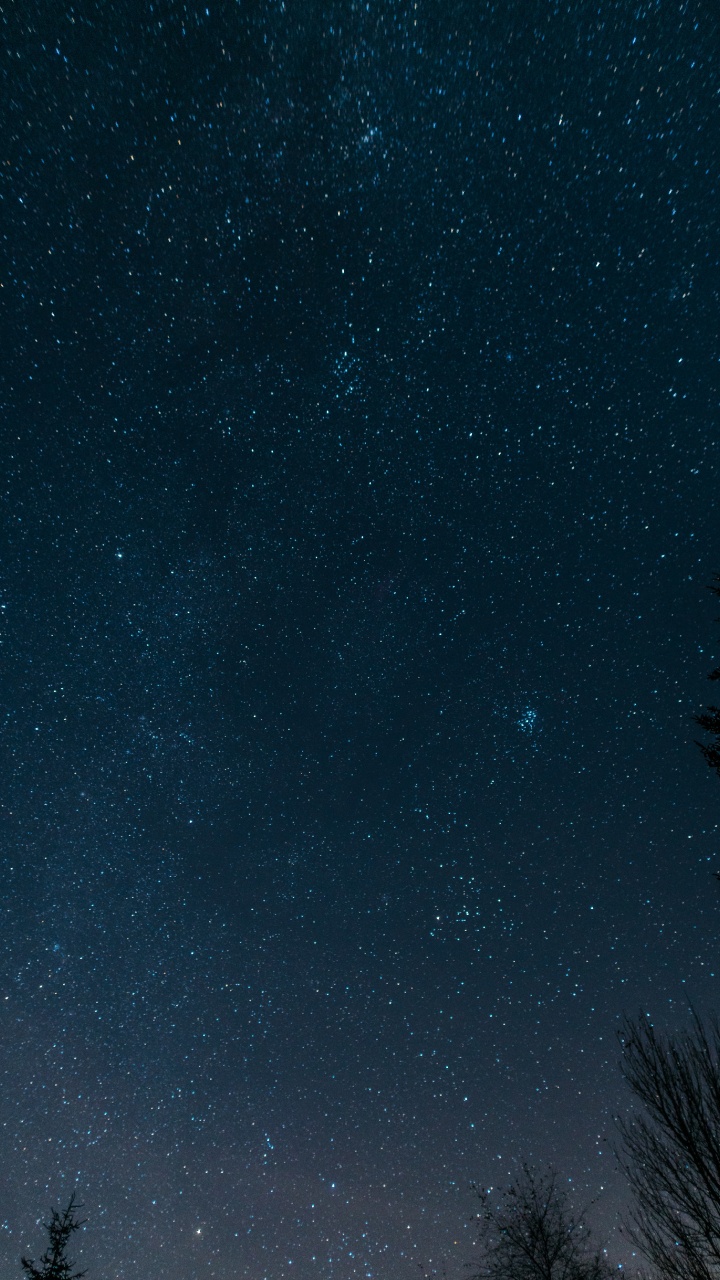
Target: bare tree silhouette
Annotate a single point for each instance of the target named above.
(531, 1232)
(672, 1151)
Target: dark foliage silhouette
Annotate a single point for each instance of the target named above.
(710, 718)
(531, 1232)
(672, 1150)
(55, 1264)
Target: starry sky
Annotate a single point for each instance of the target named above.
(359, 392)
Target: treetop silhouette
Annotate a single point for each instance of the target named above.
(709, 719)
(55, 1264)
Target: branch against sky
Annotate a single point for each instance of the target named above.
(709, 719)
(672, 1148)
(55, 1264)
(532, 1232)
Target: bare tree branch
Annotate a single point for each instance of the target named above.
(672, 1151)
(530, 1232)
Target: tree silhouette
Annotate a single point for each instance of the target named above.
(530, 1232)
(710, 718)
(672, 1151)
(55, 1264)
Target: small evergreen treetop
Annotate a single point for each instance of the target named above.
(55, 1264)
(710, 717)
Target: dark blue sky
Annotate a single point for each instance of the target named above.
(359, 387)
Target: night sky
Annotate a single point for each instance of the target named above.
(359, 390)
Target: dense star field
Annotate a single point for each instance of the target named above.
(360, 414)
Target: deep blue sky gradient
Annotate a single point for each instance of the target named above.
(360, 391)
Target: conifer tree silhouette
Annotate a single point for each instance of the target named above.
(710, 717)
(55, 1264)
